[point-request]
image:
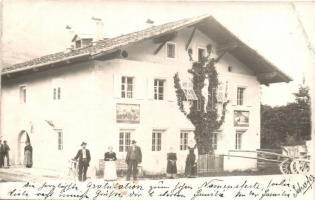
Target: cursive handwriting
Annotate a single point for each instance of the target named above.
(275, 187)
(304, 186)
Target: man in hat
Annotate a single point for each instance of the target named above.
(6, 150)
(84, 157)
(133, 158)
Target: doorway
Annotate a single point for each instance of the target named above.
(22, 139)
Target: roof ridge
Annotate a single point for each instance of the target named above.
(103, 42)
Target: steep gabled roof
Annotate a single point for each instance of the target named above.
(207, 24)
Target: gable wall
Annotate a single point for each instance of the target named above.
(90, 92)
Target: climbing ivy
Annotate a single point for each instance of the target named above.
(203, 113)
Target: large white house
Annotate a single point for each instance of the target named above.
(110, 91)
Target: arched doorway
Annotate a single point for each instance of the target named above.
(22, 139)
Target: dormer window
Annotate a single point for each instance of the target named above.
(78, 44)
(170, 50)
(82, 40)
(201, 54)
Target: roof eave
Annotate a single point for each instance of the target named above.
(69, 60)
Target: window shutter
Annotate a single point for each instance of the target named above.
(117, 85)
(247, 97)
(169, 90)
(220, 92)
(150, 88)
(234, 95)
(139, 87)
(226, 91)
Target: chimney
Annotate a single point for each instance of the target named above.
(99, 27)
(149, 23)
(70, 36)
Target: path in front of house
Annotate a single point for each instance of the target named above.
(18, 173)
(22, 174)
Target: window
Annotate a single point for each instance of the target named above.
(159, 89)
(156, 140)
(60, 139)
(126, 87)
(22, 94)
(189, 92)
(201, 54)
(183, 140)
(214, 141)
(197, 105)
(57, 93)
(238, 139)
(78, 44)
(86, 42)
(240, 95)
(220, 92)
(170, 50)
(124, 140)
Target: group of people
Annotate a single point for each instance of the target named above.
(5, 158)
(4, 154)
(133, 159)
(190, 164)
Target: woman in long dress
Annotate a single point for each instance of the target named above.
(190, 167)
(28, 155)
(110, 173)
(171, 168)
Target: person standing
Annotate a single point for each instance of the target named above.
(171, 168)
(83, 156)
(133, 158)
(110, 173)
(28, 155)
(6, 150)
(190, 167)
(1, 154)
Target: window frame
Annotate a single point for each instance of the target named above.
(157, 87)
(183, 143)
(124, 142)
(125, 91)
(167, 49)
(156, 140)
(57, 93)
(77, 42)
(23, 94)
(188, 89)
(240, 97)
(59, 139)
(239, 139)
(204, 50)
(214, 140)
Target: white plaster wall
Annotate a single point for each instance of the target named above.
(154, 114)
(72, 113)
(86, 111)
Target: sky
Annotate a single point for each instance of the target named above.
(33, 28)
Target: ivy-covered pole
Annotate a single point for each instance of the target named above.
(203, 113)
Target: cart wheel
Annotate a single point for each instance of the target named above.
(285, 166)
(300, 166)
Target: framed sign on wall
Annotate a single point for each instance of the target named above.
(128, 113)
(241, 118)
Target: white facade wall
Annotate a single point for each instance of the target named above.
(87, 109)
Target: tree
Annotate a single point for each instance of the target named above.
(303, 112)
(289, 124)
(203, 112)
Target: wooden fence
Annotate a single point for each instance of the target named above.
(209, 163)
(264, 164)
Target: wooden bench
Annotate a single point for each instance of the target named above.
(121, 167)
